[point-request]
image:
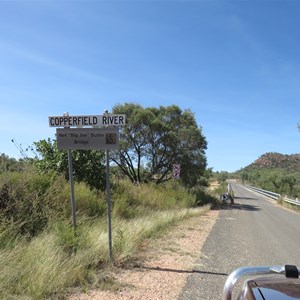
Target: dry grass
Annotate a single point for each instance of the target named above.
(44, 266)
(163, 264)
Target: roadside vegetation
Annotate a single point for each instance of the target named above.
(275, 172)
(42, 256)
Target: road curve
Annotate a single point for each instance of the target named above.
(253, 231)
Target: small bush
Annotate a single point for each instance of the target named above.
(205, 198)
(88, 201)
(151, 196)
(22, 201)
(70, 239)
(29, 202)
(9, 234)
(125, 206)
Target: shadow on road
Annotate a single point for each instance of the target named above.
(245, 198)
(183, 271)
(247, 207)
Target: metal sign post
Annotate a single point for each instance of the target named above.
(73, 203)
(108, 206)
(71, 179)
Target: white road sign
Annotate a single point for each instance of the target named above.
(88, 138)
(90, 121)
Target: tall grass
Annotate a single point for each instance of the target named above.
(47, 261)
(133, 200)
(50, 263)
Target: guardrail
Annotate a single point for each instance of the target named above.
(292, 201)
(274, 196)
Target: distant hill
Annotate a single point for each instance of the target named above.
(273, 160)
(275, 172)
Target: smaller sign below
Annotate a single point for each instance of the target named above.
(88, 138)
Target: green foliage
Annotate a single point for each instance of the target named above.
(8, 164)
(130, 200)
(42, 256)
(30, 202)
(125, 206)
(203, 198)
(23, 201)
(52, 159)
(55, 261)
(275, 180)
(222, 176)
(156, 138)
(89, 202)
(88, 165)
(41, 269)
(69, 239)
(151, 142)
(9, 233)
(275, 172)
(244, 176)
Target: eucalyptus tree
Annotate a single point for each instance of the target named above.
(154, 139)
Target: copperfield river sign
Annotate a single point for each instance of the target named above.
(88, 138)
(91, 137)
(97, 120)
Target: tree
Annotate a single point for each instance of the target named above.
(8, 164)
(287, 184)
(223, 176)
(88, 165)
(154, 139)
(244, 176)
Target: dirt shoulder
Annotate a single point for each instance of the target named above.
(164, 264)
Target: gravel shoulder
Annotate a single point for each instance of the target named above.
(164, 264)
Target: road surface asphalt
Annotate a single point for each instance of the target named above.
(255, 231)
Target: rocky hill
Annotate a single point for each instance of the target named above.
(273, 160)
(279, 173)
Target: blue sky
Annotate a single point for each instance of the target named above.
(235, 64)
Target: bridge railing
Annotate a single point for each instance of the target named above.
(274, 196)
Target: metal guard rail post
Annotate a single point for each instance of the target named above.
(273, 195)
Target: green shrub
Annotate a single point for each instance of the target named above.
(151, 196)
(70, 239)
(22, 201)
(205, 198)
(125, 206)
(41, 255)
(88, 201)
(29, 202)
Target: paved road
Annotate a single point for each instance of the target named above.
(254, 231)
